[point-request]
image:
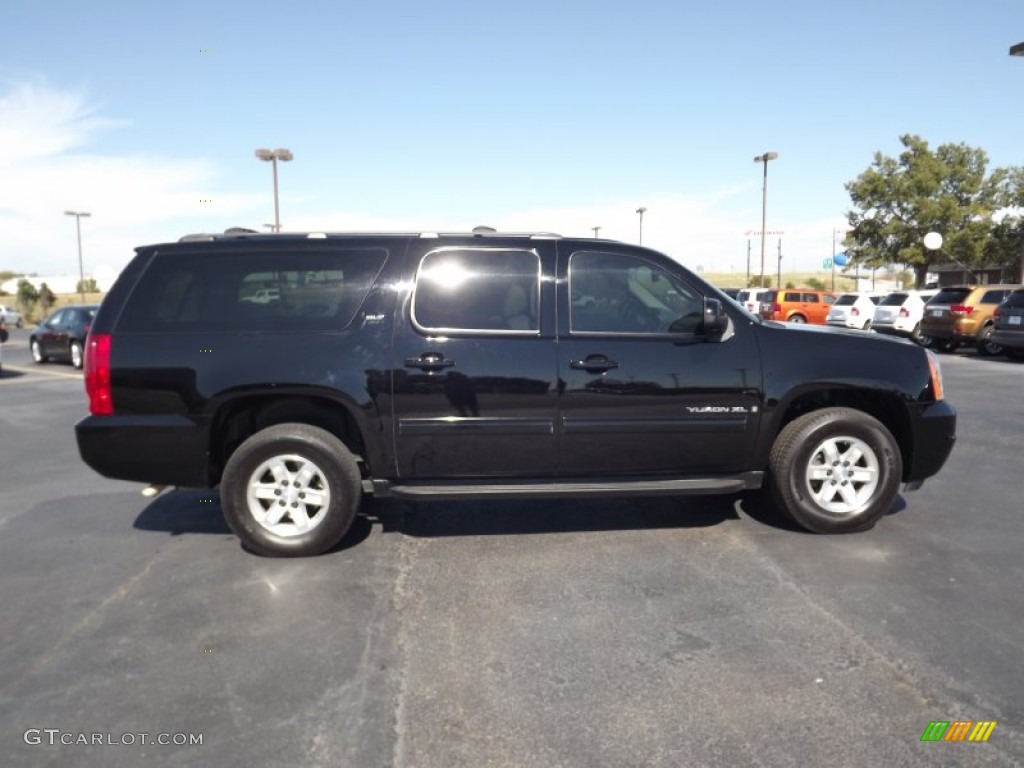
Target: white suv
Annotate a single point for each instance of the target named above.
(900, 314)
(854, 310)
(750, 299)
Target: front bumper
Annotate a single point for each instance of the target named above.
(933, 429)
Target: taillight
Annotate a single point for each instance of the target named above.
(854, 311)
(961, 309)
(904, 312)
(776, 307)
(995, 314)
(935, 374)
(97, 375)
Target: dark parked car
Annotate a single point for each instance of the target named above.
(427, 366)
(1008, 332)
(62, 335)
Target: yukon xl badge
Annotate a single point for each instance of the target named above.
(719, 409)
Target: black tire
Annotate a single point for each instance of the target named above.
(797, 319)
(37, 352)
(288, 448)
(802, 465)
(985, 346)
(944, 345)
(920, 339)
(76, 354)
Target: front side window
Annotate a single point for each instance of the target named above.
(614, 293)
(811, 298)
(491, 290)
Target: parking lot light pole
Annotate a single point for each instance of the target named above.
(81, 272)
(764, 203)
(596, 230)
(641, 210)
(272, 156)
(1018, 50)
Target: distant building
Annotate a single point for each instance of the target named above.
(959, 274)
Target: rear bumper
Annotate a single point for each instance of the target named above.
(1007, 338)
(933, 426)
(161, 450)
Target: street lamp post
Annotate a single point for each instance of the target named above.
(764, 202)
(81, 272)
(641, 210)
(272, 156)
(1018, 50)
(596, 230)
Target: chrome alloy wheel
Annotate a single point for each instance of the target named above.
(842, 475)
(288, 495)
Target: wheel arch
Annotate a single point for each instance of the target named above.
(887, 407)
(241, 417)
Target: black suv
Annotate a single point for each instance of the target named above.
(298, 372)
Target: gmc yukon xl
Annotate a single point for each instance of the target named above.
(457, 366)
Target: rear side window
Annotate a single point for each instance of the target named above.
(950, 296)
(811, 298)
(994, 297)
(240, 290)
(791, 297)
(492, 290)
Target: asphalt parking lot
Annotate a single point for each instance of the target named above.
(658, 632)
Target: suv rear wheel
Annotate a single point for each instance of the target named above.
(836, 470)
(291, 490)
(985, 346)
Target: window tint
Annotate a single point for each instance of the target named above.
(614, 293)
(950, 296)
(846, 300)
(994, 297)
(478, 289)
(253, 290)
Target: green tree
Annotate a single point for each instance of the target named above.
(755, 281)
(1006, 247)
(897, 201)
(27, 296)
(816, 283)
(46, 298)
(86, 286)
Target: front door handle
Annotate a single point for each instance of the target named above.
(593, 364)
(429, 361)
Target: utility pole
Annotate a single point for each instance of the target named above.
(778, 285)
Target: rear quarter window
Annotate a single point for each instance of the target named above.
(239, 290)
(994, 297)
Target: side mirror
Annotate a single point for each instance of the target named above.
(715, 320)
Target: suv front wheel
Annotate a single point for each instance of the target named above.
(835, 470)
(291, 490)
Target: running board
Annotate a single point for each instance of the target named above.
(571, 489)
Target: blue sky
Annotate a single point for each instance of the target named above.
(555, 116)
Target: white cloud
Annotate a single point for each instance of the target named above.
(47, 170)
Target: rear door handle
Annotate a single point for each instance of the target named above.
(593, 364)
(429, 361)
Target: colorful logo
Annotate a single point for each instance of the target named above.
(958, 730)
